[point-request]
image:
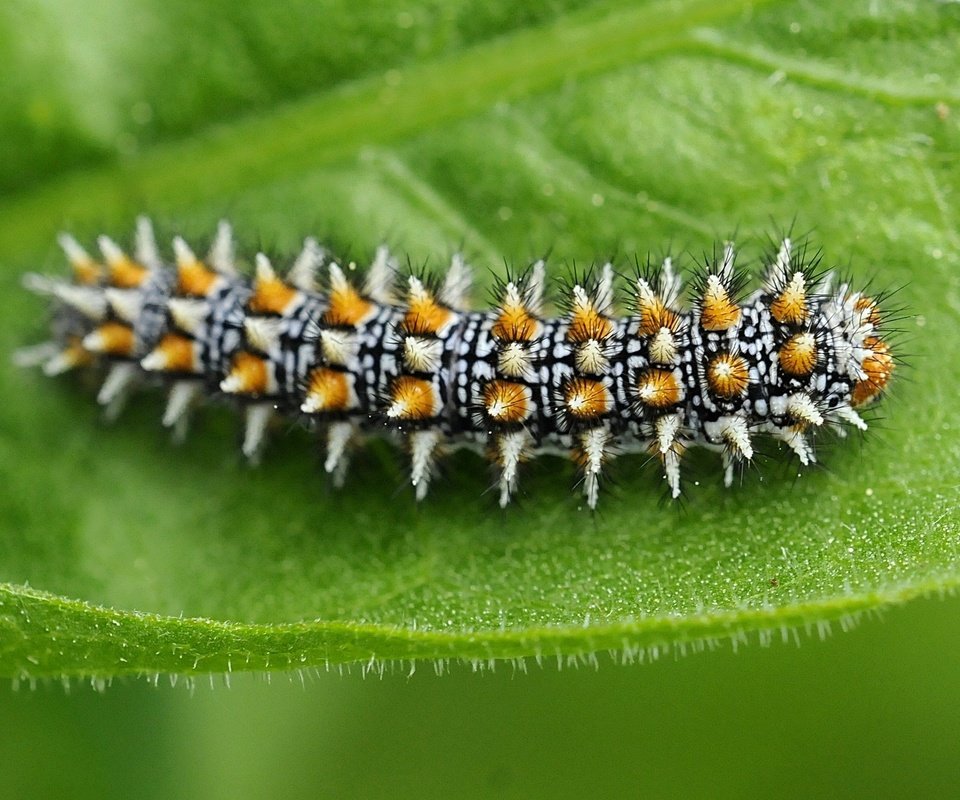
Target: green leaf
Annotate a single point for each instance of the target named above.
(591, 129)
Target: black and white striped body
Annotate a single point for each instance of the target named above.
(794, 358)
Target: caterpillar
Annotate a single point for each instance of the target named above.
(401, 354)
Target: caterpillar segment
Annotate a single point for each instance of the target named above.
(657, 363)
(278, 344)
(436, 335)
(203, 318)
(508, 399)
(586, 398)
(365, 352)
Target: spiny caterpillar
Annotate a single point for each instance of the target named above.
(402, 355)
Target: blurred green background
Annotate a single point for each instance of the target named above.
(89, 87)
(872, 713)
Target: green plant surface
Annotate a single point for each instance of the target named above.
(606, 128)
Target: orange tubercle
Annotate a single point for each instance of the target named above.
(878, 366)
(654, 316)
(586, 399)
(327, 390)
(516, 324)
(195, 278)
(348, 308)
(658, 388)
(505, 401)
(718, 311)
(586, 324)
(869, 305)
(728, 376)
(271, 296)
(790, 306)
(425, 316)
(112, 338)
(412, 399)
(75, 354)
(174, 353)
(125, 273)
(87, 272)
(248, 375)
(798, 356)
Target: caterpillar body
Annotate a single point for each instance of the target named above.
(402, 355)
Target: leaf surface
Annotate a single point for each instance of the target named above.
(589, 129)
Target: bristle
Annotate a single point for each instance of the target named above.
(778, 273)
(187, 314)
(728, 375)
(53, 358)
(338, 346)
(125, 303)
(604, 290)
(35, 355)
(659, 388)
(790, 304)
(303, 273)
(671, 471)
(587, 316)
(507, 402)
(89, 302)
(876, 366)
(735, 434)
(590, 327)
(586, 399)
(183, 253)
(421, 354)
(146, 250)
(725, 271)
(668, 427)
(379, 283)
(262, 333)
(222, 257)
(847, 414)
(454, 293)
(536, 284)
